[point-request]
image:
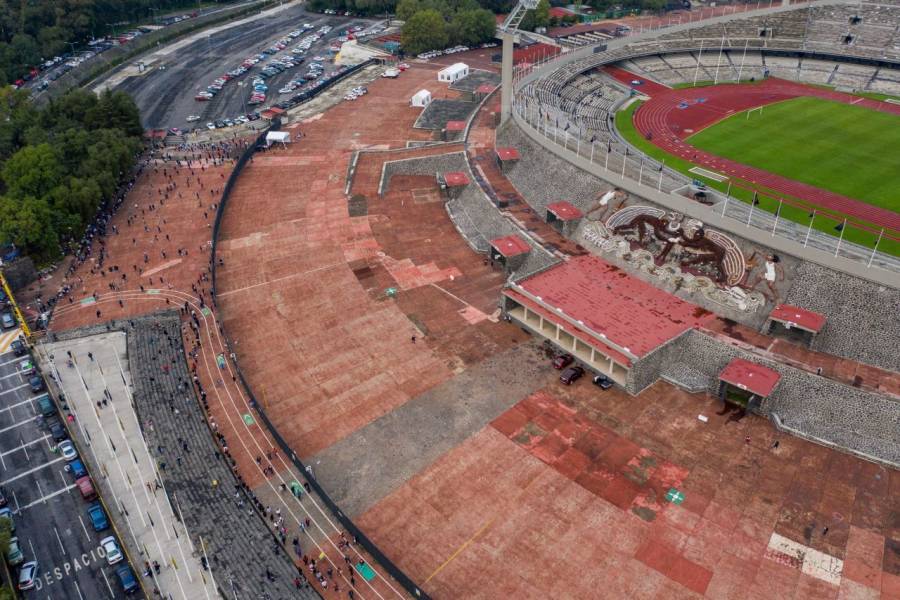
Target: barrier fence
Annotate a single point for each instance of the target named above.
(361, 538)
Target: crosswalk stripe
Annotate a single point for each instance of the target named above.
(6, 339)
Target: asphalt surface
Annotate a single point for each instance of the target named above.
(165, 92)
(49, 514)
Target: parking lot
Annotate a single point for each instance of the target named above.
(49, 514)
(165, 92)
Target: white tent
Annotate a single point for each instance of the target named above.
(421, 98)
(274, 137)
(454, 72)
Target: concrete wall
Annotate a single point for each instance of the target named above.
(840, 415)
(426, 165)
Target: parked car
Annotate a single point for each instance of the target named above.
(45, 405)
(111, 549)
(14, 554)
(27, 575)
(126, 578)
(19, 348)
(76, 467)
(36, 383)
(67, 450)
(27, 367)
(98, 517)
(5, 513)
(8, 321)
(86, 487)
(562, 361)
(571, 375)
(56, 429)
(603, 382)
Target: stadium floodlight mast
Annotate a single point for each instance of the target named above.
(509, 30)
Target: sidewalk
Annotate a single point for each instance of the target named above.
(99, 396)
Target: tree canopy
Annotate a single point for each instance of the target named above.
(437, 24)
(38, 30)
(59, 164)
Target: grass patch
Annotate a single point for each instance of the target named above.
(625, 125)
(839, 147)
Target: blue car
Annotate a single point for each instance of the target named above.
(98, 517)
(78, 470)
(126, 578)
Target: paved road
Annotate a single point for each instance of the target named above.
(165, 92)
(50, 517)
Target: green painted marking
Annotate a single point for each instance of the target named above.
(152, 291)
(674, 496)
(206, 312)
(249, 420)
(391, 292)
(220, 359)
(88, 300)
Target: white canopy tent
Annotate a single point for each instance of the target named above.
(274, 137)
(421, 98)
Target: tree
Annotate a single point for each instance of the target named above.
(407, 8)
(28, 223)
(32, 171)
(424, 31)
(539, 17)
(472, 27)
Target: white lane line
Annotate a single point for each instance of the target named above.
(29, 471)
(12, 406)
(9, 362)
(78, 589)
(86, 536)
(58, 539)
(43, 499)
(18, 387)
(109, 587)
(40, 491)
(24, 445)
(19, 424)
(12, 375)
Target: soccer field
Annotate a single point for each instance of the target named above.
(843, 148)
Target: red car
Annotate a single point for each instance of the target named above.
(562, 361)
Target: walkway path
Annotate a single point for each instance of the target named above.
(99, 398)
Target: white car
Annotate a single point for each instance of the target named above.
(192, 118)
(27, 574)
(210, 125)
(68, 451)
(111, 548)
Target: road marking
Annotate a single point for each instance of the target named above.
(460, 549)
(12, 375)
(78, 589)
(9, 362)
(24, 444)
(109, 587)
(58, 539)
(18, 387)
(44, 499)
(19, 424)
(12, 406)
(86, 536)
(40, 491)
(29, 471)
(16, 500)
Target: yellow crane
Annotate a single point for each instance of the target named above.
(21, 318)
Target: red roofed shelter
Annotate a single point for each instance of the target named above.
(452, 183)
(453, 129)
(564, 216)
(507, 157)
(609, 320)
(795, 323)
(509, 251)
(746, 383)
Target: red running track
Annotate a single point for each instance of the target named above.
(670, 125)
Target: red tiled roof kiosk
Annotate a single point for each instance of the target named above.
(794, 323)
(510, 251)
(564, 216)
(506, 157)
(453, 130)
(746, 383)
(452, 183)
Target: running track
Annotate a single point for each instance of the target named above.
(670, 125)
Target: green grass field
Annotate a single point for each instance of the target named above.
(625, 126)
(843, 148)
